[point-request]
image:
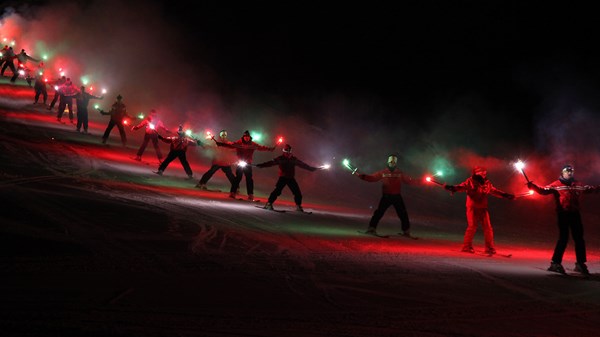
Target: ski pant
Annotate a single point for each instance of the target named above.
(239, 173)
(385, 202)
(572, 221)
(11, 64)
(475, 216)
(292, 184)
(82, 119)
(147, 138)
(182, 158)
(213, 169)
(65, 103)
(54, 99)
(109, 128)
(40, 91)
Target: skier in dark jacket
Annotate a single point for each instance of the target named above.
(118, 112)
(478, 187)
(245, 148)
(83, 99)
(392, 179)
(179, 146)
(56, 85)
(40, 88)
(223, 158)
(567, 191)
(287, 170)
(9, 57)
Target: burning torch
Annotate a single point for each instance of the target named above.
(430, 179)
(519, 165)
(526, 194)
(346, 163)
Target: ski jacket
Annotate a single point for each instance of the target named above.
(478, 191)
(39, 83)
(68, 90)
(4, 53)
(287, 166)
(566, 194)
(245, 150)
(8, 54)
(158, 125)
(83, 99)
(179, 143)
(117, 112)
(223, 155)
(392, 180)
(23, 58)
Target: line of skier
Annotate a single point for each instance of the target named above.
(566, 191)
(239, 154)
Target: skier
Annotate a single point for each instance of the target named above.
(392, 179)
(9, 56)
(40, 88)
(222, 160)
(82, 99)
(117, 113)
(22, 59)
(57, 84)
(287, 168)
(245, 148)
(150, 124)
(179, 145)
(567, 191)
(478, 187)
(66, 94)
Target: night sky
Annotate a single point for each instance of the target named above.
(424, 79)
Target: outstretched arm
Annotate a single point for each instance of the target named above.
(501, 194)
(305, 166)
(540, 190)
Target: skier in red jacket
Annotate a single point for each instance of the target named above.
(392, 179)
(287, 170)
(478, 187)
(567, 191)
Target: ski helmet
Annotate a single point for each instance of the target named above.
(287, 148)
(568, 168)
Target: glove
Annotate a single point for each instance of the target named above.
(509, 196)
(450, 188)
(530, 184)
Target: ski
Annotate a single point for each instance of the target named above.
(491, 255)
(208, 189)
(242, 199)
(374, 234)
(272, 210)
(407, 236)
(140, 161)
(572, 274)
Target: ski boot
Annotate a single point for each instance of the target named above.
(580, 267)
(557, 268)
